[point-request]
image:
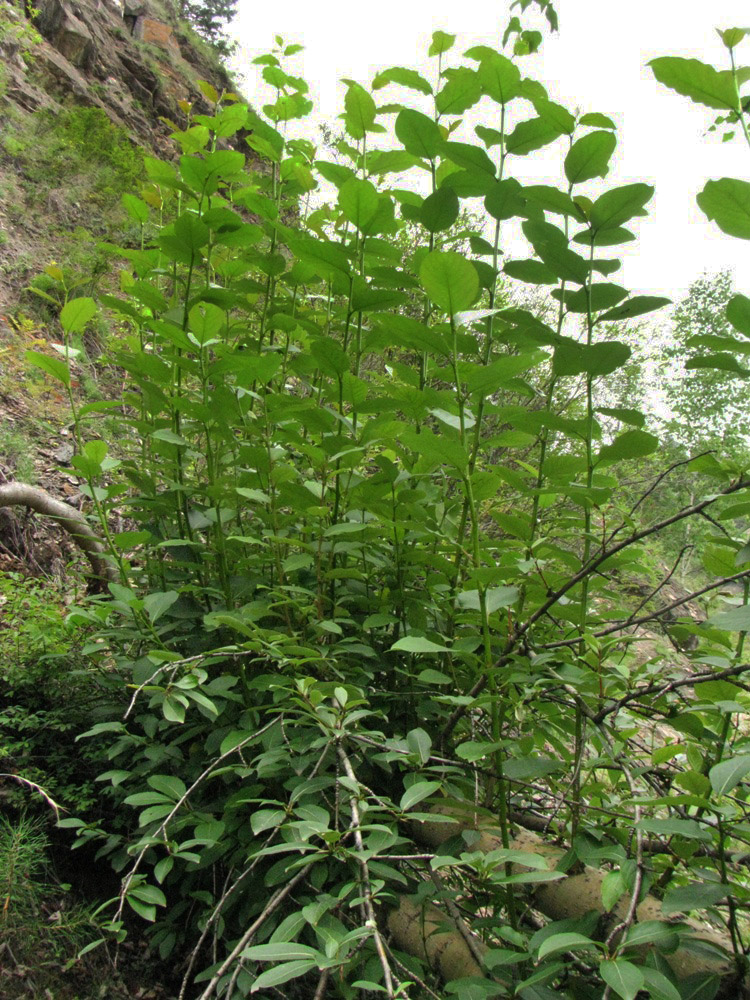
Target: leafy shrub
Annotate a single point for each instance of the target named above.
(369, 616)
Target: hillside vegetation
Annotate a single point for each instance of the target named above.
(384, 683)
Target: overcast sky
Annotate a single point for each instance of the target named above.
(597, 62)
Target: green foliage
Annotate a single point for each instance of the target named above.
(372, 570)
(57, 149)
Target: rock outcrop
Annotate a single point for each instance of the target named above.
(134, 61)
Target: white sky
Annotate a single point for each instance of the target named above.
(597, 62)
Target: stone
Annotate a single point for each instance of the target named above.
(147, 29)
(67, 33)
(134, 8)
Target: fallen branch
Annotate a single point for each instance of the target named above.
(84, 536)
(574, 896)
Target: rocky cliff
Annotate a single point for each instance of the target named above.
(87, 88)
(84, 85)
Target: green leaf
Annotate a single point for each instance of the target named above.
(137, 210)
(441, 42)
(439, 210)
(638, 305)
(76, 314)
(280, 951)
(417, 644)
(613, 886)
(534, 272)
(652, 932)
(727, 203)
(450, 280)
(418, 134)
(618, 205)
(738, 313)
(417, 793)
(569, 941)
(359, 201)
(360, 110)
(419, 742)
(694, 79)
(531, 135)
(688, 828)
(461, 91)
(169, 785)
(718, 362)
(523, 768)
(495, 598)
(55, 367)
(589, 157)
(624, 415)
(500, 78)
(623, 977)
(405, 77)
(572, 358)
(728, 774)
(631, 444)
(658, 986)
(595, 119)
(696, 896)
(281, 974)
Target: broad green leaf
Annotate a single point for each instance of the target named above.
(450, 280)
(658, 986)
(623, 977)
(613, 886)
(156, 603)
(359, 202)
(531, 135)
(565, 942)
(417, 644)
(169, 784)
(589, 156)
(495, 598)
(419, 743)
(631, 444)
(598, 296)
(55, 367)
(572, 358)
(500, 78)
(638, 305)
(461, 91)
(696, 80)
(137, 210)
(595, 119)
(553, 200)
(418, 134)
(532, 271)
(719, 362)
(405, 77)
(689, 828)
(280, 951)
(439, 210)
(76, 314)
(618, 205)
(504, 200)
(727, 203)
(738, 313)
(700, 986)
(736, 620)
(652, 932)
(624, 415)
(464, 154)
(472, 751)
(523, 768)
(360, 110)
(441, 42)
(418, 793)
(281, 974)
(696, 896)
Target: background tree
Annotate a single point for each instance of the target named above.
(210, 19)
